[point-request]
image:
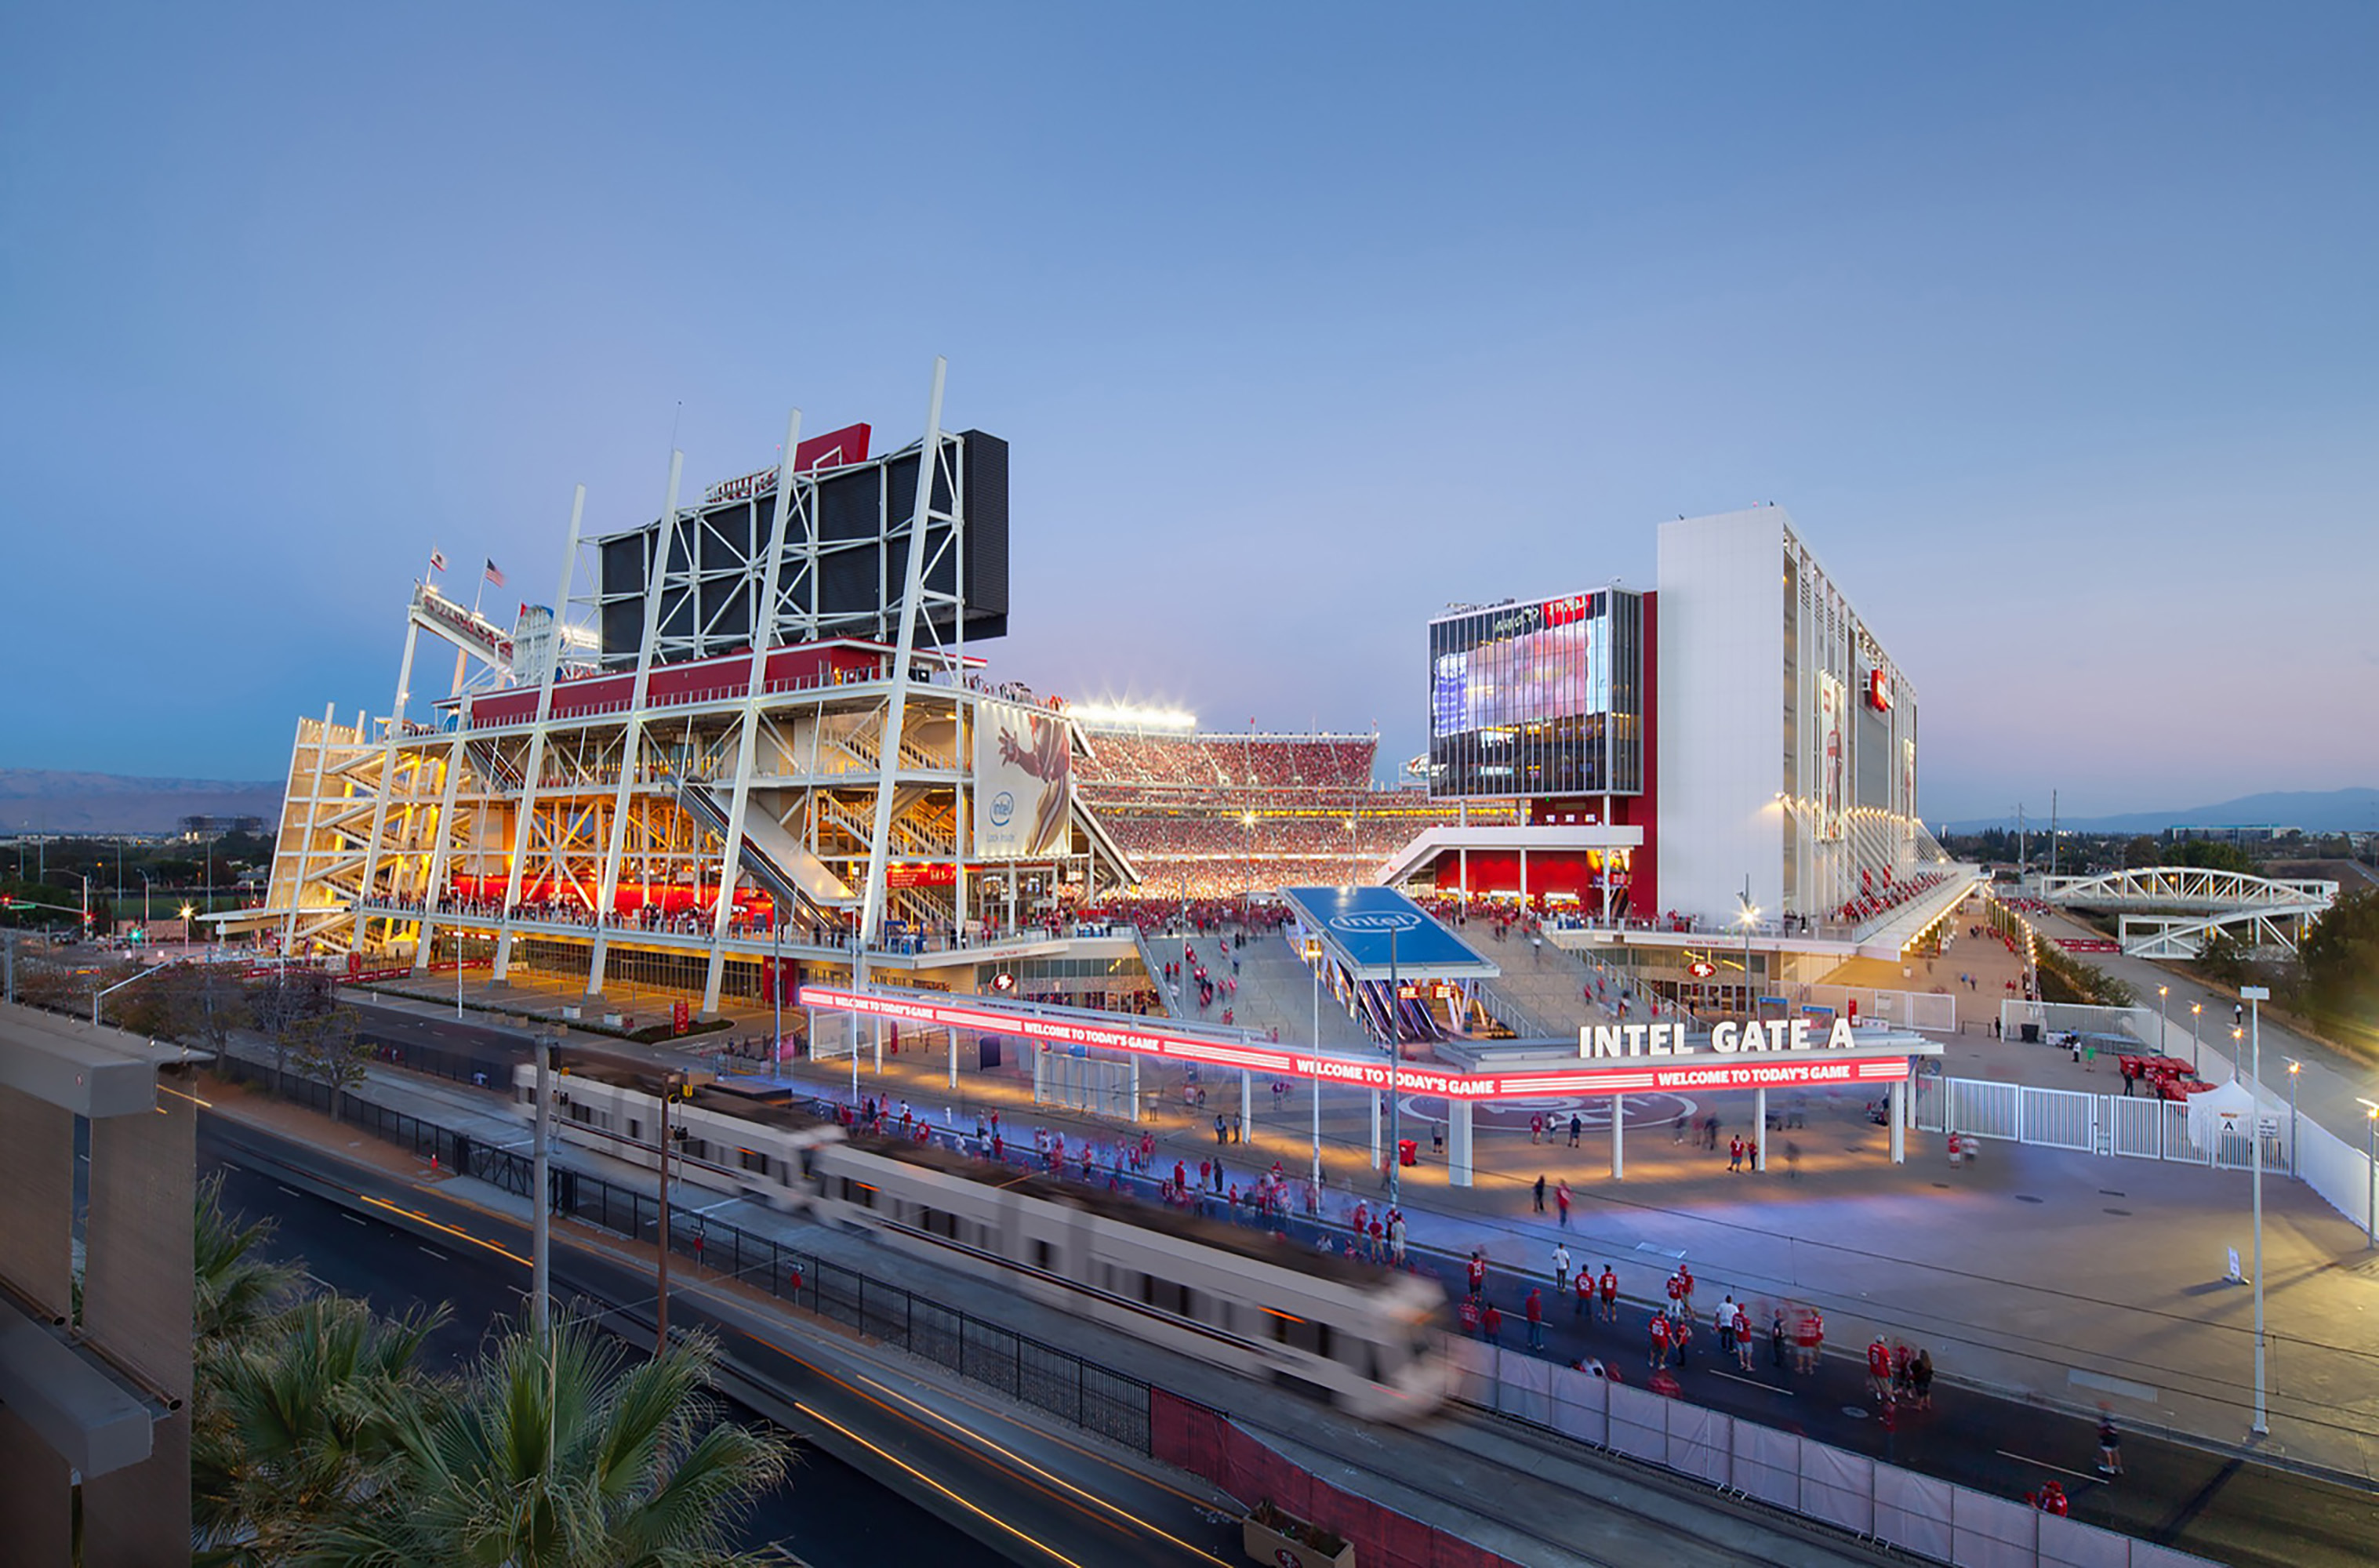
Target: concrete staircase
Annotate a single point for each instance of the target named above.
(1546, 983)
(1275, 992)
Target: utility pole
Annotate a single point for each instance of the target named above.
(2052, 833)
(2255, 996)
(541, 1239)
(2023, 859)
(661, 1313)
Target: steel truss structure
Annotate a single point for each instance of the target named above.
(2172, 911)
(812, 802)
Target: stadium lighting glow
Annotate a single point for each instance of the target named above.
(1118, 716)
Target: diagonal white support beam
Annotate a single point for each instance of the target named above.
(764, 636)
(525, 810)
(631, 733)
(929, 464)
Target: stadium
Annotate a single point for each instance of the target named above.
(618, 789)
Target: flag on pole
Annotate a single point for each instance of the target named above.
(437, 559)
(495, 576)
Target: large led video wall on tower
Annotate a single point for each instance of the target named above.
(845, 560)
(1539, 697)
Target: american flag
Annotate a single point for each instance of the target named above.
(495, 576)
(437, 559)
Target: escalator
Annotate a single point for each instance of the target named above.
(791, 875)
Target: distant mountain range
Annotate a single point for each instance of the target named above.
(37, 799)
(2315, 810)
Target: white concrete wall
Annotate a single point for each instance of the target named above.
(1721, 655)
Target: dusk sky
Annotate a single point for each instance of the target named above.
(2053, 327)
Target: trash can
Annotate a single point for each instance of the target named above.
(1408, 1151)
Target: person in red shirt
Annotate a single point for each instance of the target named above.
(1743, 1336)
(1804, 1342)
(1879, 1369)
(1585, 1290)
(1536, 1312)
(1491, 1324)
(1659, 1341)
(1561, 1200)
(1477, 1276)
(1685, 1286)
(1610, 1288)
(1734, 1154)
(1676, 1288)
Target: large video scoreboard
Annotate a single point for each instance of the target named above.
(1539, 697)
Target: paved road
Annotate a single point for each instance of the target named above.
(1040, 1501)
(828, 1513)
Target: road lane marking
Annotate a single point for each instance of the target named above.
(1755, 1382)
(440, 1255)
(2028, 1459)
(291, 1191)
(355, 1220)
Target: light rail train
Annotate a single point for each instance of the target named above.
(1366, 1338)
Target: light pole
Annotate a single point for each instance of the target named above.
(1396, 1053)
(148, 885)
(2256, 994)
(2370, 1171)
(661, 1313)
(1313, 957)
(2162, 991)
(2195, 1008)
(540, 1294)
(1748, 918)
(2295, 1068)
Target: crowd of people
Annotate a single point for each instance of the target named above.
(1222, 762)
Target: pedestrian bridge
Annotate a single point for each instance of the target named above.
(2171, 911)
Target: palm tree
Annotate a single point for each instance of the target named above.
(555, 1455)
(239, 1290)
(298, 1423)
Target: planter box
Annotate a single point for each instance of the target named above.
(1268, 1546)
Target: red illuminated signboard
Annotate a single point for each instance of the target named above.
(940, 875)
(1878, 691)
(1699, 1072)
(1562, 611)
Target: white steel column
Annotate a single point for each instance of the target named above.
(929, 464)
(306, 847)
(1759, 1129)
(1372, 1095)
(632, 731)
(730, 853)
(531, 778)
(441, 843)
(1899, 1122)
(1460, 1163)
(1619, 1137)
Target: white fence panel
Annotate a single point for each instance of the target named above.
(1527, 1389)
(1767, 1465)
(1701, 1443)
(1989, 1109)
(2337, 1170)
(1581, 1404)
(2069, 1543)
(1912, 1512)
(2137, 1127)
(1837, 1488)
(1472, 1372)
(1639, 1423)
(1993, 1532)
(2059, 1118)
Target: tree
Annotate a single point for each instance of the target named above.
(2223, 958)
(2211, 855)
(552, 1454)
(326, 1047)
(2340, 956)
(237, 1289)
(280, 1008)
(2142, 850)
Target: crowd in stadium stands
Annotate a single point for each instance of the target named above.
(1204, 763)
(1893, 893)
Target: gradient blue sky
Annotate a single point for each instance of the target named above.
(2052, 326)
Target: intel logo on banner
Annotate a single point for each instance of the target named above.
(1003, 807)
(1374, 921)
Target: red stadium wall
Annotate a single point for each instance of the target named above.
(1643, 811)
(1205, 1442)
(668, 897)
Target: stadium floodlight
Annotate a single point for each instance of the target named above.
(1123, 716)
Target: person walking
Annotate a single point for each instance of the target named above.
(1734, 1153)
(1776, 1338)
(1878, 1369)
(1560, 1265)
(1742, 1337)
(1685, 1285)
(1535, 1309)
(1585, 1291)
(1561, 1200)
(2111, 1445)
(1576, 1126)
(1660, 1332)
(1920, 1379)
(1608, 1286)
(1723, 1321)
(1541, 1195)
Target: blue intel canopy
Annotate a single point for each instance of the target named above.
(1357, 923)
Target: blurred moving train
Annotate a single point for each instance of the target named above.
(1366, 1338)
